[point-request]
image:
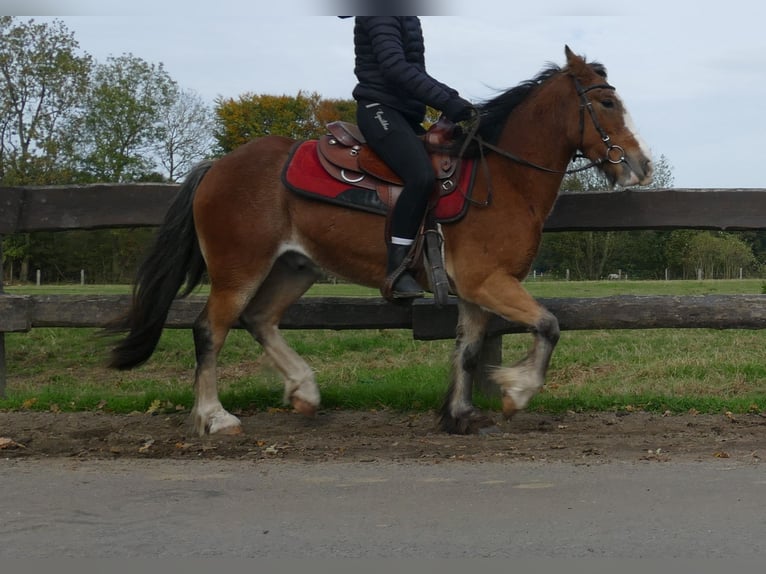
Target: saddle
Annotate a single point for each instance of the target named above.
(345, 155)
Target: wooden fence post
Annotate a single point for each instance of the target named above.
(491, 356)
(2, 334)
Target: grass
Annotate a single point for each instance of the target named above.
(607, 288)
(538, 288)
(658, 370)
(318, 290)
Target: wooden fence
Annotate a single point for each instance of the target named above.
(27, 209)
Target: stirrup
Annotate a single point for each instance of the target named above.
(408, 287)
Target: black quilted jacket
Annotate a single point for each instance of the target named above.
(390, 67)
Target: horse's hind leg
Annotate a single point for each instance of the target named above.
(210, 331)
(290, 278)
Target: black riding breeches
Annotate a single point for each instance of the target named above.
(396, 141)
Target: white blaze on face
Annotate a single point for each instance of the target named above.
(644, 149)
(641, 143)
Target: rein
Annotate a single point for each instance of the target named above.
(585, 104)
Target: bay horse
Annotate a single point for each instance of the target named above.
(264, 246)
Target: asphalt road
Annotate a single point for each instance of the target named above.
(160, 508)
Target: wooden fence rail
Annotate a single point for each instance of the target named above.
(100, 206)
(27, 209)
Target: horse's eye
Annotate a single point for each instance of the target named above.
(609, 104)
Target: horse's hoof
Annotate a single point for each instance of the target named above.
(304, 407)
(474, 422)
(494, 429)
(228, 431)
(223, 424)
(509, 407)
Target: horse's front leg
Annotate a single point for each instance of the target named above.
(520, 382)
(458, 414)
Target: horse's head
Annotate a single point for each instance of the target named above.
(606, 132)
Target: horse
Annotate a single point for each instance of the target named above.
(264, 246)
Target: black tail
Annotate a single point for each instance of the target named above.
(174, 259)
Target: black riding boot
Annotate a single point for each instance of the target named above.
(405, 286)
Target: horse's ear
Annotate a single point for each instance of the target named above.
(573, 60)
(571, 56)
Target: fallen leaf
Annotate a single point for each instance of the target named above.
(9, 443)
(721, 454)
(146, 446)
(154, 407)
(29, 403)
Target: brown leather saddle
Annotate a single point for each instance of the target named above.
(345, 155)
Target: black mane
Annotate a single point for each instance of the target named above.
(493, 112)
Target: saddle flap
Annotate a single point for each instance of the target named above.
(341, 162)
(346, 157)
(371, 163)
(338, 154)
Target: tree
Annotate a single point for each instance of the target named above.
(584, 253)
(592, 254)
(299, 117)
(716, 254)
(65, 119)
(332, 110)
(663, 175)
(186, 135)
(123, 119)
(42, 82)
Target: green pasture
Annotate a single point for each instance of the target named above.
(659, 370)
(538, 287)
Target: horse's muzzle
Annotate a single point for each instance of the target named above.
(634, 170)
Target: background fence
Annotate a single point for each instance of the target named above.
(101, 206)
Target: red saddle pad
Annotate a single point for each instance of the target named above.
(304, 175)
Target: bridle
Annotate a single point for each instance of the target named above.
(586, 104)
(614, 153)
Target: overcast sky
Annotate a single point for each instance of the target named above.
(693, 74)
